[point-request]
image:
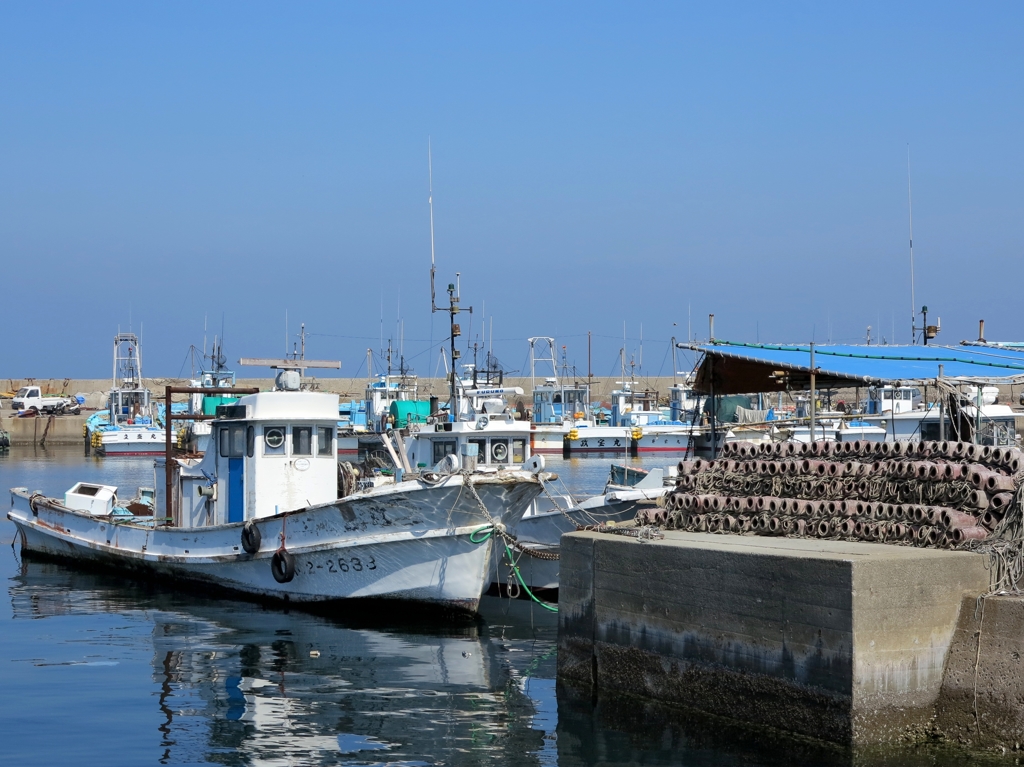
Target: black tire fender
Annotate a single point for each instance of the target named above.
(282, 565)
(251, 538)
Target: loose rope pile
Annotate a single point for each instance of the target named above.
(934, 494)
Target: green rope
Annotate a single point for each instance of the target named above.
(487, 530)
(481, 535)
(519, 577)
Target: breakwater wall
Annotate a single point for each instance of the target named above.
(348, 388)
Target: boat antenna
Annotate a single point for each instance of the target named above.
(641, 361)
(910, 211)
(672, 344)
(430, 201)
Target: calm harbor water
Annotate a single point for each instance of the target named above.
(108, 671)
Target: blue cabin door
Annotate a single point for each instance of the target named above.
(236, 496)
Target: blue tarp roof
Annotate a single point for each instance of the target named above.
(740, 368)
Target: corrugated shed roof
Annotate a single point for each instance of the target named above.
(740, 368)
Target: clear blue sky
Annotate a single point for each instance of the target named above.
(594, 165)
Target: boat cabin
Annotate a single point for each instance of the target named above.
(207, 404)
(555, 403)
(682, 402)
(635, 407)
(269, 452)
(891, 399)
(130, 406)
(384, 391)
(497, 441)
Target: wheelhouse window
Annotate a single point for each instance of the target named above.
(302, 440)
(232, 440)
(250, 441)
(324, 441)
(499, 451)
(481, 449)
(443, 447)
(273, 440)
(518, 450)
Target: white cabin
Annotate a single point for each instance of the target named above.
(497, 441)
(554, 403)
(270, 452)
(891, 399)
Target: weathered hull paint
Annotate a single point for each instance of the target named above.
(410, 543)
(548, 440)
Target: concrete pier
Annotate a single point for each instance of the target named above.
(841, 641)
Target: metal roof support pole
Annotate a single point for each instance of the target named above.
(942, 408)
(168, 452)
(977, 415)
(813, 436)
(714, 410)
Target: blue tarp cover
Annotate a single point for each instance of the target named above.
(740, 367)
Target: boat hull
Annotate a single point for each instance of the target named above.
(548, 439)
(617, 439)
(130, 441)
(664, 443)
(413, 543)
(543, 532)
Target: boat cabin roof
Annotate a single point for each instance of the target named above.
(284, 406)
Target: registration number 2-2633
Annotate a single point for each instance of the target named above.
(344, 565)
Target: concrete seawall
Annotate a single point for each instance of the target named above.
(59, 430)
(982, 700)
(841, 641)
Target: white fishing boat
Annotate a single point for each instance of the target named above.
(557, 409)
(131, 424)
(485, 436)
(900, 414)
(266, 512)
(636, 425)
(558, 406)
(535, 553)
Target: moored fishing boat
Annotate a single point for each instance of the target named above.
(535, 552)
(131, 424)
(267, 512)
(636, 425)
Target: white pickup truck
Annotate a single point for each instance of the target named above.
(31, 398)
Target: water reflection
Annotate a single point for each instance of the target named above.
(120, 672)
(238, 684)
